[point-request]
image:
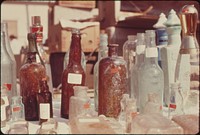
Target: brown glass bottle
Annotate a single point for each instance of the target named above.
(44, 97)
(73, 75)
(30, 75)
(112, 82)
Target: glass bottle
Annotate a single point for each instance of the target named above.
(140, 49)
(44, 97)
(17, 108)
(6, 68)
(112, 82)
(129, 49)
(169, 56)
(161, 35)
(42, 57)
(151, 78)
(189, 17)
(176, 100)
(74, 74)
(30, 75)
(4, 28)
(103, 52)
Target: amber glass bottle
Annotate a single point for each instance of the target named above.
(74, 74)
(30, 75)
(44, 97)
(112, 82)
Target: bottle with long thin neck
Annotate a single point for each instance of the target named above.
(103, 52)
(30, 75)
(151, 78)
(74, 74)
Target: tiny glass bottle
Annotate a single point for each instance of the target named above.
(129, 53)
(74, 74)
(112, 82)
(17, 108)
(30, 75)
(139, 60)
(44, 97)
(4, 28)
(103, 52)
(151, 78)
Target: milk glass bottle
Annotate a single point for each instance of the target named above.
(129, 49)
(151, 76)
(103, 52)
(4, 28)
(139, 60)
(112, 82)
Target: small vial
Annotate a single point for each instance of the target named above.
(17, 108)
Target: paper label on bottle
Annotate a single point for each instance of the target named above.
(89, 120)
(74, 78)
(3, 113)
(172, 106)
(44, 110)
(5, 99)
(151, 52)
(16, 109)
(140, 49)
(8, 86)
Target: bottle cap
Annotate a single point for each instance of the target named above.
(173, 19)
(36, 20)
(160, 23)
(189, 9)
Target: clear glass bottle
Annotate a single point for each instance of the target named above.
(17, 108)
(103, 52)
(151, 78)
(6, 68)
(112, 82)
(140, 49)
(30, 75)
(189, 17)
(44, 97)
(42, 57)
(176, 100)
(4, 28)
(74, 74)
(129, 53)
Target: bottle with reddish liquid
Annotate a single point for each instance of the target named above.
(112, 82)
(74, 74)
(44, 97)
(30, 75)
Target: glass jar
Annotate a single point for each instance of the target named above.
(112, 82)
(151, 79)
(30, 75)
(103, 52)
(74, 74)
(17, 108)
(129, 53)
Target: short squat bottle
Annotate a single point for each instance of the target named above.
(44, 97)
(30, 75)
(151, 78)
(74, 74)
(17, 108)
(112, 82)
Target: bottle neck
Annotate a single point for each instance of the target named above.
(103, 52)
(44, 88)
(112, 51)
(75, 50)
(139, 59)
(3, 44)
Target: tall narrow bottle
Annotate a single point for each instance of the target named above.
(140, 49)
(112, 82)
(74, 74)
(30, 75)
(103, 52)
(4, 27)
(129, 49)
(189, 17)
(151, 80)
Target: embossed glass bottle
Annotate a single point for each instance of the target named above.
(129, 49)
(74, 74)
(103, 52)
(112, 82)
(151, 78)
(30, 75)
